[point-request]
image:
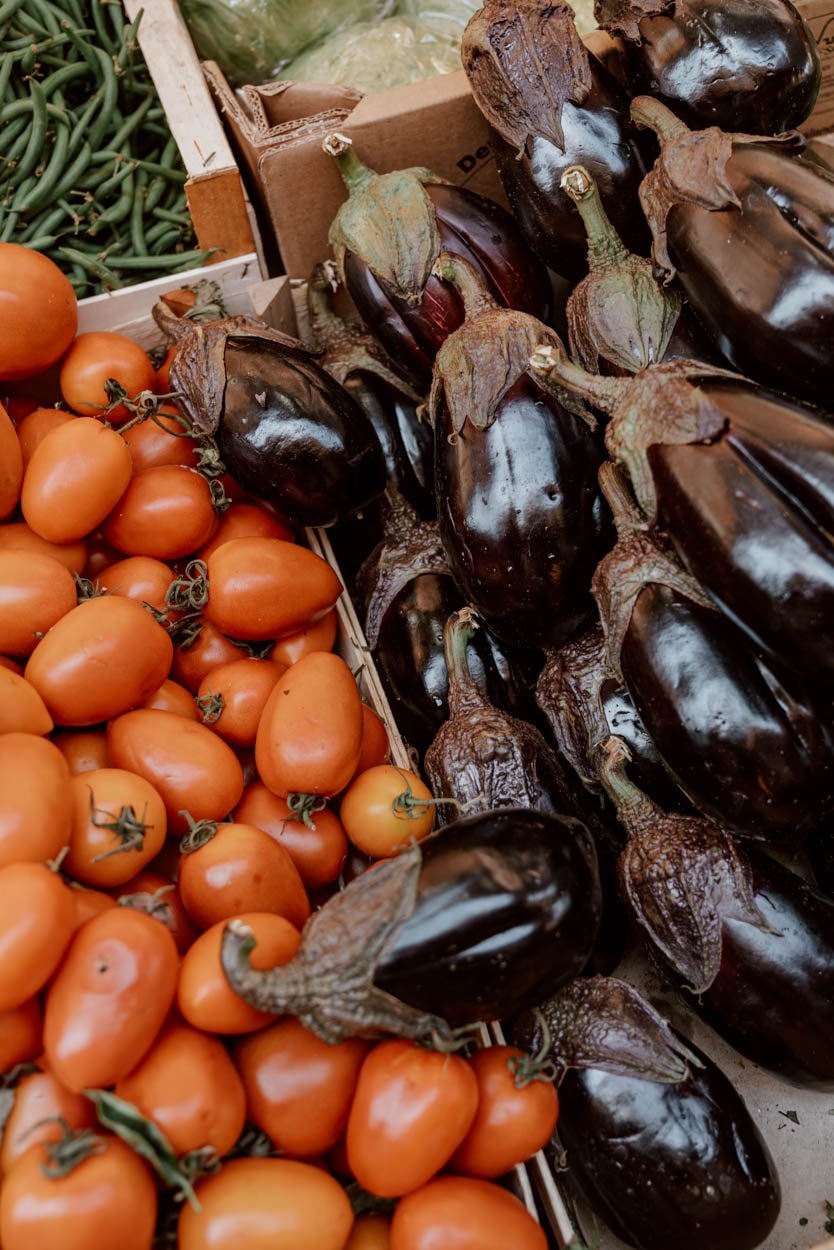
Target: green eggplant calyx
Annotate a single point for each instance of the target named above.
(569, 693)
(354, 174)
(476, 295)
(549, 363)
(622, 17)
(605, 247)
(635, 810)
(464, 691)
(602, 1022)
(525, 61)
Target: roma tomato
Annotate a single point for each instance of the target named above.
(38, 312)
(246, 520)
(320, 636)
(231, 698)
(166, 512)
(35, 810)
(298, 1088)
(37, 919)
(103, 657)
(118, 826)
(265, 588)
(22, 710)
(162, 380)
(100, 555)
(210, 650)
(310, 735)
(318, 852)
(370, 1232)
(83, 751)
(35, 592)
(76, 476)
(204, 996)
(17, 536)
(189, 1088)
(412, 1109)
(384, 808)
(511, 1123)
(172, 697)
(34, 427)
(140, 578)
(455, 1211)
(21, 1030)
(376, 748)
(13, 666)
(160, 440)
(40, 1100)
(11, 463)
(241, 869)
(266, 1204)
(92, 361)
(193, 769)
(109, 999)
(89, 903)
(159, 897)
(108, 1199)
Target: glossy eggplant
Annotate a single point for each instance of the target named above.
(286, 430)
(519, 510)
(747, 65)
(478, 921)
(712, 196)
(821, 852)
(749, 941)
(551, 104)
(387, 237)
(742, 480)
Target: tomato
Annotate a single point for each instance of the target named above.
(109, 1199)
(19, 406)
(100, 555)
(157, 895)
(370, 1232)
(298, 1088)
(412, 1109)
(204, 996)
(140, 578)
(310, 735)
(264, 588)
(22, 710)
(457, 1213)
(233, 696)
(171, 697)
(384, 808)
(83, 751)
(94, 359)
(160, 440)
(166, 512)
(39, 1099)
(266, 1204)
(35, 811)
(193, 769)
(118, 826)
(89, 903)
(76, 476)
(511, 1124)
(189, 1088)
(246, 520)
(34, 427)
(35, 592)
(17, 536)
(37, 919)
(38, 313)
(318, 853)
(20, 1034)
(241, 869)
(376, 749)
(109, 999)
(11, 665)
(11, 462)
(162, 379)
(209, 651)
(103, 657)
(319, 636)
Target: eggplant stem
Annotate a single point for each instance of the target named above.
(649, 114)
(355, 175)
(627, 514)
(551, 366)
(323, 320)
(463, 690)
(606, 249)
(471, 287)
(624, 794)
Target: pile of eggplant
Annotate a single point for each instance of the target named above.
(590, 524)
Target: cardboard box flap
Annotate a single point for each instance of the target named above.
(281, 105)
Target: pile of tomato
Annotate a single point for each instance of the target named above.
(180, 746)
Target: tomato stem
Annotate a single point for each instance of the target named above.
(73, 1148)
(407, 806)
(199, 833)
(128, 828)
(210, 705)
(153, 904)
(305, 806)
(87, 589)
(191, 591)
(539, 1067)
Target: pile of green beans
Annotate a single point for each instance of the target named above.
(89, 172)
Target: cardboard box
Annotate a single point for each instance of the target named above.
(819, 14)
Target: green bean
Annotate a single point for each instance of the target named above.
(93, 266)
(105, 37)
(44, 223)
(22, 191)
(119, 211)
(52, 16)
(125, 169)
(137, 212)
(37, 135)
(53, 82)
(20, 107)
(173, 175)
(51, 175)
(81, 125)
(74, 171)
(29, 23)
(109, 97)
(11, 133)
(8, 226)
(6, 64)
(8, 10)
(131, 123)
(175, 261)
(178, 219)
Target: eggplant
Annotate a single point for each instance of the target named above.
(747, 65)
(286, 430)
(712, 196)
(478, 921)
(742, 480)
(551, 104)
(388, 235)
(657, 1139)
(519, 511)
(821, 851)
(750, 943)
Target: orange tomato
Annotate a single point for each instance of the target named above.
(103, 657)
(34, 427)
(241, 869)
(110, 997)
(266, 1204)
(17, 536)
(11, 665)
(83, 751)
(37, 919)
(467, 1214)
(20, 1035)
(160, 440)
(189, 1088)
(39, 1101)
(22, 709)
(210, 650)
(166, 512)
(193, 769)
(76, 476)
(140, 578)
(298, 1088)
(172, 697)
(118, 826)
(310, 734)
(11, 464)
(385, 808)
(232, 698)
(19, 406)
(318, 853)
(204, 996)
(89, 903)
(246, 520)
(100, 555)
(162, 380)
(38, 313)
(95, 358)
(35, 811)
(264, 588)
(35, 592)
(370, 1232)
(376, 749)
(319, 636)
(511, 1123)
(157, 895)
